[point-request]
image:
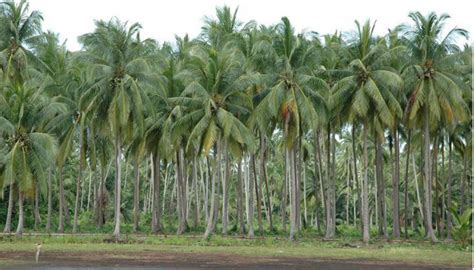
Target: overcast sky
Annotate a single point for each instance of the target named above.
(161, 20)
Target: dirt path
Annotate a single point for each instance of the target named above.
(161, 260)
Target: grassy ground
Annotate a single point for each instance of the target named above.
(409, 252)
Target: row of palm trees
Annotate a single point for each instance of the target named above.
(222, 100)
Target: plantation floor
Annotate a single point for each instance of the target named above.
(172, 252)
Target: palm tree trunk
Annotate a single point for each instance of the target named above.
(240, 208)
(118, 187)
(298, 170)
(330, 188)
(196, 192)
(381, 186)
(263, 172)
(136, 196)
(181, 192)
(21, 214)
(62, 201)
(317, 170)
(37, 211)
(100, 197)
(395, 185)
(305, 207)
(321, 179)
(89, 191)
(450, 183)
(206, 193)
(292, 179)
(250, 203)
(365, 189)
(427, 176)
(463, 182)
(418, 197)
(8, 222)
(434, 183)
(333, 183)
(285, 192)
(214, 199)
(78, 194)
(257, 185)
(406, 183)
(348, 190)
(356, 175)
(225, 191)
(156, 210)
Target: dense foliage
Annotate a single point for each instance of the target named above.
(324, 133)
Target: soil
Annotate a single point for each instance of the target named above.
(170, 260)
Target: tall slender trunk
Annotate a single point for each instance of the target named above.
(258, 194)
(376, 204)
(463, 182)
(136, 195)
(450, 183)
(395, 185)
(293, 196)
(442, 186)
(37, 211)
(407, 165)
(95, 194)
(8, 222)
(365, 189)
(263, 172)
(78, 194)
(181, 192)
(418, 197)
(285, 191)
(298, 175)
(434, 183)
(330, 189)
(206, 193)
(165, 187)
(102, 197)
(348, 190)
(156, 210)
(305, 210)
(214, 198)
(218, 188)
(250, 203)
(317, 172)
(225, 191)
(62, 200)
(333, 183)
(356, 175)
(380, 183)
(427, 176)
(196, 192)
(240, 208)
(321, 179)
(89, 191)
(118, 187)
(21, 214)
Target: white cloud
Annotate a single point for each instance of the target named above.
(161, 20)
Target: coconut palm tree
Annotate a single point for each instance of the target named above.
(19, 28)
(290, 101)
(367, 84)
(435, 96)
(118, 70)
(214, 95)
(30, 152)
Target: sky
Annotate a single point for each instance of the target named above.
(162, 20)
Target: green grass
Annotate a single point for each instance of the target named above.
(309, 247)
